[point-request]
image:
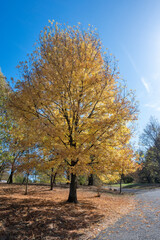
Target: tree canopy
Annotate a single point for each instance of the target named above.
(73, 102)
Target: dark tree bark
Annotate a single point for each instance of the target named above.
(10, 179)
(73, 189)
(26, 190)
(51, 181)
(2, 168)
(120, 189)
(121, 179)
(90, 180)
(54, 178)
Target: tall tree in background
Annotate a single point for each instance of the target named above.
(151, 144)
(71, 97)
(151, 134)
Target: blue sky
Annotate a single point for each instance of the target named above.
(130, 29)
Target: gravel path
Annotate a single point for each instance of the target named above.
(141, 224)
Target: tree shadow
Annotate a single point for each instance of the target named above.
(43, 219)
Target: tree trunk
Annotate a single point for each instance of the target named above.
(2, 168)
(24, 179)
(120, 190)
(10, 179)
(90, 180)
(54, 178)
(51, 181)
(68, 177)
(26, 190)
(73, 189)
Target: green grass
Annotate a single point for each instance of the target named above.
(136, 185)
(123, 185)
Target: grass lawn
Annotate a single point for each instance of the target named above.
(45, 215)
(123, 185)
(137, 185)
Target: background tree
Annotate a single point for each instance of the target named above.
(151, 134)
(151, 145)
(16, 147)
(51, 169)
(4, 126)
(71, 96)
(126, 163)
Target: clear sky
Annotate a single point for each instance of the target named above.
(130, 29)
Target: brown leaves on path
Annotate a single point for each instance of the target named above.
(44, 214)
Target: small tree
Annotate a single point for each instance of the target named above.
(11, 146)
(126, 162)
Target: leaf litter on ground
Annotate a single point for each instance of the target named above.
(45, 214)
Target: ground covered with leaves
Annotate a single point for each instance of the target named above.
(45, 214)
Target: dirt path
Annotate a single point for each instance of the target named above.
(142, 223)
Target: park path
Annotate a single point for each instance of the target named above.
(141, 224)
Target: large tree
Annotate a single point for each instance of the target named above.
(71, 97)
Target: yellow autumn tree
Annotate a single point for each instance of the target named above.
(126, 163)
(72, 98)
(122, 159)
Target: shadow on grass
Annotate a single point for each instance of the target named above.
(42, 219)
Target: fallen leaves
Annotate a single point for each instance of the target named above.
(44, 214)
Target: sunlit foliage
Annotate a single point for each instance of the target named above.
(71, 99)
